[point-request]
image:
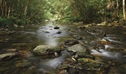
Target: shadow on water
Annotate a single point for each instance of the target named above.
(49, 35)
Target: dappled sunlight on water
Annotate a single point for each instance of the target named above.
(54, 63)
(49, 35)
(51, 41)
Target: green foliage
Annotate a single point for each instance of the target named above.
(5, 21)
(87, 11)
(75, 10)
(23, 12)
(35, 11)
(13, 20)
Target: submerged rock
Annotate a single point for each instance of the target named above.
(45, 49)
(59, 32)
(56, 27)
(24, 53)
(71, 42)
(23, 64)
(46, 31)
(6, 56)
(54, 63)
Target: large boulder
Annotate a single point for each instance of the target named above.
(45, 49)
(77, 48)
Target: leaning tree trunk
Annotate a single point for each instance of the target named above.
(124, 13)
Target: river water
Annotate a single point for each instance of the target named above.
(107, 42)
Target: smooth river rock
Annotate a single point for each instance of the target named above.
(45, 49)
(77, 48)
(6, 56)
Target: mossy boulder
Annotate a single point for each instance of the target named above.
(78, 48)
(45, 49)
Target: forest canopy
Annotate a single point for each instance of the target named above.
(35, 11)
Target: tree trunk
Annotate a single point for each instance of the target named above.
(117, 8)
(124, 13)
(0, 7)
(6, 9)
(26, 7)
(9, 10)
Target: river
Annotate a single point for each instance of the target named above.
(106, 44)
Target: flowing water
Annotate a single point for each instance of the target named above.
(110, 42)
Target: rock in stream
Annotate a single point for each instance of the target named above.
(45, 49)
(6, 56)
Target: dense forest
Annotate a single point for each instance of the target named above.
(35, 11)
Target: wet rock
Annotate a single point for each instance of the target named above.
(59, 32)
(104, 42)
(24, 53)
(45, 49)
(64, 65)
(56, 27)
(102, 24)
(81, 27)
(62, 71)
(65, 54)
(11, 50)
(7, 56)
(23, 64)
(77, 37)
(83, 55)
(46, 31)
(30, 70)
(77, 48)
(71, 42)
(89, 64)
(70, 61)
